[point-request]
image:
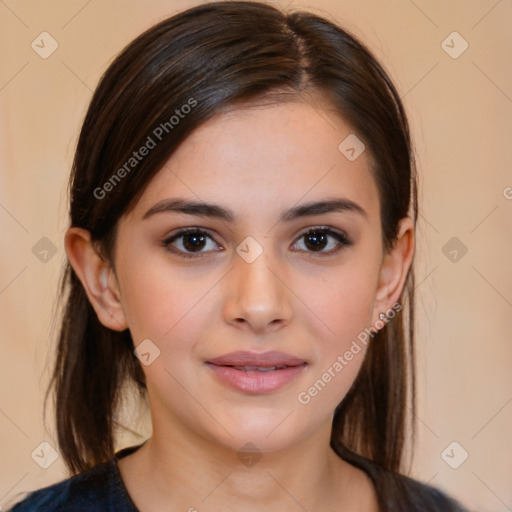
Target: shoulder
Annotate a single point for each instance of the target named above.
(420, 496)
(401, 493)
(94, 490)
(90, 490)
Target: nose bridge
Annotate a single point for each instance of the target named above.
(257, 293)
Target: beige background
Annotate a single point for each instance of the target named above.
(461, 115)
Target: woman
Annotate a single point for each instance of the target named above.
(243, 208)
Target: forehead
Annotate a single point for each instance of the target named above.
(257, 158)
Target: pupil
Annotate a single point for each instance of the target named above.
(316, 240)
(193, 241)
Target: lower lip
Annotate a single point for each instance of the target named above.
(256, 382)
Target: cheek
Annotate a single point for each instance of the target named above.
(174, 312)
(160, 300)
(339, 354)
(345, 306)
(342, 303)
(342, 300)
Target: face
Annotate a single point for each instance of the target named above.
(260, 270)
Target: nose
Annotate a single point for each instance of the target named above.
(257, 298)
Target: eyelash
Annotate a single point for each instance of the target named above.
(341, 238)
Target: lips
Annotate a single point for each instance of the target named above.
(257, 360)
(256, 373)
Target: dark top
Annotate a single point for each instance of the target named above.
(97, 489)
(101, 489)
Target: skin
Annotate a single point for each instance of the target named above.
(256, 161)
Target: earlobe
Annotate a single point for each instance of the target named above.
(94, 274)
(394, 269)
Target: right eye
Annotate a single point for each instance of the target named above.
(190, 242)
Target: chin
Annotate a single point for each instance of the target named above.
(259, 432)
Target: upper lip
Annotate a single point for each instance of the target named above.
(262, 359)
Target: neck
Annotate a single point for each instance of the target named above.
(195, 474)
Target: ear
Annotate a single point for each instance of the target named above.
(394, 268)
(97, 277)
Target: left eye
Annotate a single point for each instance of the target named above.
(318, 239)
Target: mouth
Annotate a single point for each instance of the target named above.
(256, 373)
(246, 359)
(258, 368)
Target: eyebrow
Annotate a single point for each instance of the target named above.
(213, 210)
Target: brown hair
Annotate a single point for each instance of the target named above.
(222, 54)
